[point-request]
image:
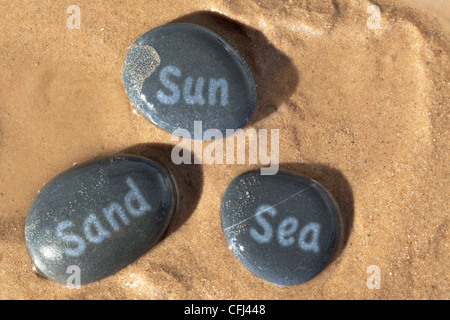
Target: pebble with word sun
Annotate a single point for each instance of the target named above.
(283, 228)
(99, 216)
(180, 73)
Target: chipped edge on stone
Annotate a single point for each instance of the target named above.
(141, 61)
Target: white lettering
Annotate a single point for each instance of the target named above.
(74, 280)
(197, 98)
(267, 235)
(173, 87)
(214, 86)
(285, 231)
(240, 135)
(312, 245)
(198, 136)
(374, 280)
(94, 231)
(213, 152)
(235, 145)
(81, 246)
(135, 195)
(74, 21)
(193, 310)
(109, 215)
(274, 151)
(181, 152)
(99, 234)
(374, 21)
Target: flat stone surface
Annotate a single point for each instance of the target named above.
(283, 228)
(99, 216)
(180, 73)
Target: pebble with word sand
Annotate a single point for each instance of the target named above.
(99, 216)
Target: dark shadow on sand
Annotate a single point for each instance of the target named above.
(188, 179)
(275, 75)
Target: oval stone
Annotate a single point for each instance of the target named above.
(187, 79)
(99, 217)
(284, 228)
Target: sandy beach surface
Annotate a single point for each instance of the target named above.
(363, 110)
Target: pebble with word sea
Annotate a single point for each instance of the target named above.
(284, 228)
(99, 216)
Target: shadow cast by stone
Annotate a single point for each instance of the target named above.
(188, 179)
(339, 188)
(275, 75)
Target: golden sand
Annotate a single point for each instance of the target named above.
(363, 111)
